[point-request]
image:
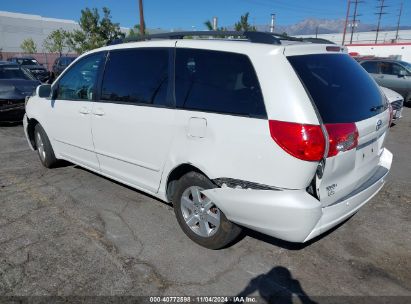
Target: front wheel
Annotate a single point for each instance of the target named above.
(44, 148)
(198, 216)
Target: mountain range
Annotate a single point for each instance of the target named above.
(325, 26)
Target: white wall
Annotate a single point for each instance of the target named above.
(14, 28)
(366, 37)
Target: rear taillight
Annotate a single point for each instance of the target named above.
(303, 141)
(342, 137)
(307, 142)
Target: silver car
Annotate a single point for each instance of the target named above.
(392, 74)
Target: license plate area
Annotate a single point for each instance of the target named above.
(367, 152)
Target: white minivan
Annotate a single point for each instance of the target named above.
(280, 136)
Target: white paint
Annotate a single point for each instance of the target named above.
(141, 145)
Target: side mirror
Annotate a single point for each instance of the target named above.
(43, 90)
(402, 74)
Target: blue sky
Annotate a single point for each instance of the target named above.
(187, 14)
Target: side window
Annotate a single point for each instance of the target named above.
(371, 66)
(137, 76)
(396, 69)
(79, 82)
(218, 82)
(387, 68)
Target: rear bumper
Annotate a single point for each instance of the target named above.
(294, 215)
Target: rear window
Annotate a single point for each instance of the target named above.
(340, 88)
(219, 82)
(13, 73)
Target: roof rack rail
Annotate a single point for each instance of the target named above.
(252, 36)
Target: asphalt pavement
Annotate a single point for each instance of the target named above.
(68, 231)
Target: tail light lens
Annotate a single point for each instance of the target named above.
(307, 142)
(342, 137)
(302, 141)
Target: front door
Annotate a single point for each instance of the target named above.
(70, 111)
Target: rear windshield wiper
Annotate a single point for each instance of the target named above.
(376, 108)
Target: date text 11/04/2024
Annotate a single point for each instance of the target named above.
(201, 299)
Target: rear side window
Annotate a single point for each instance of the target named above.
(138, 76)
(219, 82)
(371, 66)
(339, 87)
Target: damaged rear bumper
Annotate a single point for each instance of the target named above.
(294, 215)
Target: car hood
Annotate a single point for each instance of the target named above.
(391, 95)
(17, 88)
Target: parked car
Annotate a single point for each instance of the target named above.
(257, 132)
(15, 85)
(60, 64)
(31, 64)
(393, 74)
(396, 101)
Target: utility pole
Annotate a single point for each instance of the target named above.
(380, 13)
(346, 20)
(354, 20)
(142, 23)
(399, 21)
(272, 23)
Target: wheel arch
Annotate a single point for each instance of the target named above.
(176, 173)
(32, 122)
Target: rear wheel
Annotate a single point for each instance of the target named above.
(44, 148)
(198, 216)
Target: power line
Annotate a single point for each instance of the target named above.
(355, 21)
(380, 13)
(346, 20)
(399, 21)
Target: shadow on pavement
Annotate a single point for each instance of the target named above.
(276, 286)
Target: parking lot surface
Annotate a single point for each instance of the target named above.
(68, 231)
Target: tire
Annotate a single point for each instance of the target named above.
(200, 219)
(44, 148)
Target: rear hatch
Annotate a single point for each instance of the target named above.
(355, 117)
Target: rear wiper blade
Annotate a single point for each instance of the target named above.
(376, 108)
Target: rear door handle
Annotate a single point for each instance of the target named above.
(99, 112)
(84, 110)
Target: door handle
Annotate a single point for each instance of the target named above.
(84, 110)
(99, 112)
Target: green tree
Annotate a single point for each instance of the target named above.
(28, 46)
(243, 24)
(135, 32)
(209, 26)
(94, 31)
(57, 41)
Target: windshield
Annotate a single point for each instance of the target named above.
(406, 64)
(340, 88)
(13, 73)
